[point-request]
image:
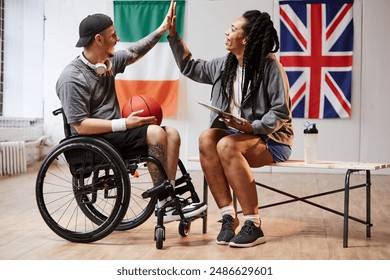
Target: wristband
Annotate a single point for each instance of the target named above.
(118, 125)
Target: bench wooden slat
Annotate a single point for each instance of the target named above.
(332, 165)
(325, 164)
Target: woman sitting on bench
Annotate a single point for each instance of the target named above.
(250, 84)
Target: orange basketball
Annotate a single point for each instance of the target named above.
(143, 102)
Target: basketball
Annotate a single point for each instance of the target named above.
(143, 102)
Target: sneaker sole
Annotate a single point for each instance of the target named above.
(222, 242)
(258, 241)
(168, 219)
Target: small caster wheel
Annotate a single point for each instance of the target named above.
(184, 228)
(159, 237)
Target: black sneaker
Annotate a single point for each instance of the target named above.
(189, 211)
(229, 224)
(249, 236)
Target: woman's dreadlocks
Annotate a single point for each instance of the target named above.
(262, 39)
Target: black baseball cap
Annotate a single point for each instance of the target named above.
(92, 25)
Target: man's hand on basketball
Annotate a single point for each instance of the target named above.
(133, 120)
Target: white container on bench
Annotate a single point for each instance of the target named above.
(310, 143)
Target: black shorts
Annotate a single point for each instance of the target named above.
(129, 143)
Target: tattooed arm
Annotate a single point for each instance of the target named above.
(140, 48)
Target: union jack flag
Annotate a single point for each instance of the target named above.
(316, 46)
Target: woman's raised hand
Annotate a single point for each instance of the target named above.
(169, 18)
(172, 28)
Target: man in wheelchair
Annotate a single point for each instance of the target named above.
(86, 88)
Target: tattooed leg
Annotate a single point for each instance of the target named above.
(157, 147)
(160, 153)
(173, 149)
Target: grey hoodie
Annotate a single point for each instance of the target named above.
(272, 116)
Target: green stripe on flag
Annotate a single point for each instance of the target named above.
(135, 19)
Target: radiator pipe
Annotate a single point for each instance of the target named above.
(44, 140)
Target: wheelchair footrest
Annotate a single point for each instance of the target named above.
(156, 190)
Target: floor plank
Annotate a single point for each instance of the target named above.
(294, 231)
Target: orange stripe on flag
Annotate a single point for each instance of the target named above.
(165, 93)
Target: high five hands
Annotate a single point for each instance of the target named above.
(172, 28)
(169, 22)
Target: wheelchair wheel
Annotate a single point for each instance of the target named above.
(82, 189)
(184, 228)
(159, 237)
(140, 209)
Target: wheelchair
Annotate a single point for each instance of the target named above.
(85, 190)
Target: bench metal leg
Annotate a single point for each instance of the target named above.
(347, 188)
(368, 203)
(346, 207)
(205, 200)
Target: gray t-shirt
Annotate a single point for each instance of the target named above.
(85, 94)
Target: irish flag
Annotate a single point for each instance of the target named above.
(155, 74)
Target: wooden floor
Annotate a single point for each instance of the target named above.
(295, 231)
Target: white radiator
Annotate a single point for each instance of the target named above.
(20, 129)
(12, 158)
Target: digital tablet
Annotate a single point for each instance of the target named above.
(225, 115)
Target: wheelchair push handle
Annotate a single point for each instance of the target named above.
(65, 121)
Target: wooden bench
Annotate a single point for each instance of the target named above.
(349, 167)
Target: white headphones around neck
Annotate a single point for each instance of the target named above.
(100, 68)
